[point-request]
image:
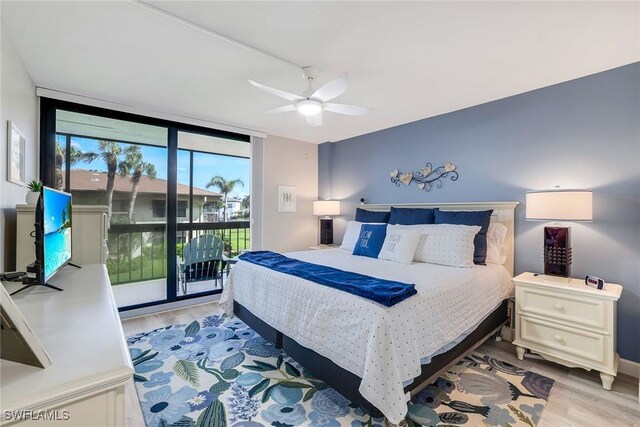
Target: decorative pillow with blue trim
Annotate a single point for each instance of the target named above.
(411, 216)
(481, 218)
(370, 240)
(363, 215)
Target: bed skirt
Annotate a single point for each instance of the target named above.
(347, 383)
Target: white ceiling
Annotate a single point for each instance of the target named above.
(406, 60)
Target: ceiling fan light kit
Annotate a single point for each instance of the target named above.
(309, 107)
(311, 104)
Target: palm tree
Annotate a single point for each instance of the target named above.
(75, 157)
(246, 202)
(63, 218)
(225, 187)
(110, 152)
(134, 165)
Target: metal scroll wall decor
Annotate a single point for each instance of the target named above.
(427, 177)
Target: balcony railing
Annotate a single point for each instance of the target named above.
(138, 252)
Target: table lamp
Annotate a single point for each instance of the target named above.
(325, 209)
(558, 205)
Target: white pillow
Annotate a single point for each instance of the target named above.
(496, 252)
(351, 234)
(447, 244)
(400, 243)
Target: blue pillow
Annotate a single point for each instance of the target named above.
(481, 218)
(363, 215)
(409, 216)
(370, 240)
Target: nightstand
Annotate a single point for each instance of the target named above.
(567, 322)
(320, 247)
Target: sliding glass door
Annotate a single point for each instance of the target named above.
(122, 165)
(213, 209)
(177, 196)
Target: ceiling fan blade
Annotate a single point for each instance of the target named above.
(281, 93)
(284, 109)
(315, 120)
(333, 89)
(349, 110)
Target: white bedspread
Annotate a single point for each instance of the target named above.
(382, 345)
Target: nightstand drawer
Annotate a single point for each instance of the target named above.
(553, 338)
(570, 308)
(565, 321)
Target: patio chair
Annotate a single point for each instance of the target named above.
(202, 260)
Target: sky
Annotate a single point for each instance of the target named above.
(54, 204)
(205, 165)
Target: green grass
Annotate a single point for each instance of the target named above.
(241, 243)
(145, 268)
(147, 272)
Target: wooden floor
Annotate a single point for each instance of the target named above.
(577, 399)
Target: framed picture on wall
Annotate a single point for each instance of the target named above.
(15, 155)
(286, 198)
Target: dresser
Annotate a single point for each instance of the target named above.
(567, 322)
(88, 238)
(80, 329)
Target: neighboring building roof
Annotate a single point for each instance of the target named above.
(86, 180)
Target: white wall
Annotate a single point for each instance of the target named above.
(257, 180)
(18, 104)
(289, 162)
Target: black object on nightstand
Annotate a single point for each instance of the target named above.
(558, 205)
(326, 231)
(557, 251)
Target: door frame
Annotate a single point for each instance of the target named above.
(48, 107)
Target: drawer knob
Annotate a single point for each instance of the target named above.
(557, 306)
(557, 337)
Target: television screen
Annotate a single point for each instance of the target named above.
(56, 214)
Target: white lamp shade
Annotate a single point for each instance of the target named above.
(559, 205)
(326, 207)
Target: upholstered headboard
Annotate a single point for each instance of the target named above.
(503, 212)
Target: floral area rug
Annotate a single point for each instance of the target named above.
(218, 372)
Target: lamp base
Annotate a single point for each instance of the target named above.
(326, 231)
(557, 251)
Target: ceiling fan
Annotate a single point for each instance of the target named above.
(310, 103)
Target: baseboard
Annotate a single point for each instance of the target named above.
(629, 367)
(168, 306)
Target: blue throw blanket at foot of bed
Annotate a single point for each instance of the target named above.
(385, 292)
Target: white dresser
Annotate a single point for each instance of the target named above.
(88, 239)
(567, 322)
(81, 331)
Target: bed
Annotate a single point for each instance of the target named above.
(377, 356)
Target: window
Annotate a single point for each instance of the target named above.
(160, 209)
(213, 173)
(120, 206)
(164, 183)
(182, 208)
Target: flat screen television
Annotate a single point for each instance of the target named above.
(53, 233)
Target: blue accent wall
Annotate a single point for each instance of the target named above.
(584, 133)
